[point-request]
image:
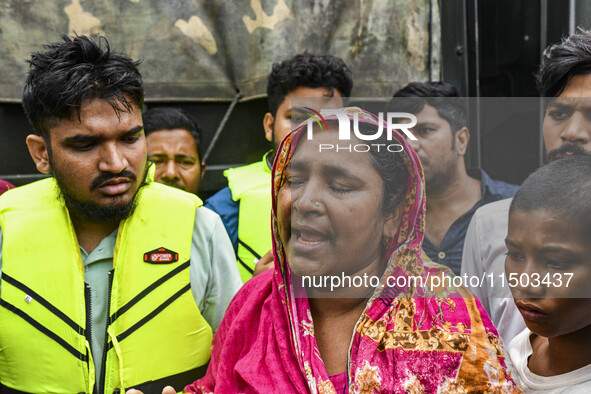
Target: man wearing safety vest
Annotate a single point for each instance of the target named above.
(245, 205)
(104, 273)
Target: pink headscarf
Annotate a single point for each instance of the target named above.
(410, 338)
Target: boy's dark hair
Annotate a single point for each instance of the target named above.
(168, 118)
(440, 95)
(307, 70)
(562, 187)
(66, 73)
(562, 61)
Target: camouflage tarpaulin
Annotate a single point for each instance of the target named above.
(204, 49)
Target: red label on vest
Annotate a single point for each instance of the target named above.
(161, 256)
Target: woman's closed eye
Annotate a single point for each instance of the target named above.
(295, 181)
(340, 188)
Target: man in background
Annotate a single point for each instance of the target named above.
(245, 205)
(453, 192)
(173, 139)
(565, 77)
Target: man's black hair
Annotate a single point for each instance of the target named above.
(307, 70)
(562, 187)
(168, 118)
(562, 61)
(440, 95)
(76, 69)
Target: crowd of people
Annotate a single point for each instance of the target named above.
(116, 277)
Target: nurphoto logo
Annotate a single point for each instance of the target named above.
(345, 130)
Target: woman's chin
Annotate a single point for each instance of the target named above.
(304, 267)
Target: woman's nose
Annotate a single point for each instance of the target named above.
(307, 199)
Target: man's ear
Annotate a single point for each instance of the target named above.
(393, 222)
(39, 153)
(462, 139)
(268, 123)
(203, 165)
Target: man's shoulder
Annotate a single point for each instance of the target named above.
(171, 192)
(498, 187)
(254, 170)
(248, 177)
(494, 211)
(247, 168)
(41, 194)
(221, 201)
(204, 215)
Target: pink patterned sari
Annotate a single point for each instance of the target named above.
(411, 338)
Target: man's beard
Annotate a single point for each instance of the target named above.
(100, 213)
(439, 182)
(561, 151)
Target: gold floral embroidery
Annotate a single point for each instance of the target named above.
(404, 335)
(452, 386)
(308, 326)
(367, 379)
(325, 387)
(412, 385)
(309, 377)
(407, 260)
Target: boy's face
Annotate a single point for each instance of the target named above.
(544, 250)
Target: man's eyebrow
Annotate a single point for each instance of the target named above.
(425, 123)
(300, 111)
(85, 138)
(185, 157)
(81, 139)
(137, 129)
(558, 105)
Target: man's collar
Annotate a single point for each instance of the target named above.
(268, 158)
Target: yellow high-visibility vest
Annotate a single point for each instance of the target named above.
(155, 332)
(251, 187)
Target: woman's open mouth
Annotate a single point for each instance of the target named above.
(306, 239)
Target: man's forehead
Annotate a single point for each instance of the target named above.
(318, 98)
(98, 119)
(573, 103)
(428, 114)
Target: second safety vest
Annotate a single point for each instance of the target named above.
(155, 332)
(251, 187)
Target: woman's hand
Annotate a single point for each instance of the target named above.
(166, 390)
(265, 263)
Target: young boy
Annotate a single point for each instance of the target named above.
(548, 268)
